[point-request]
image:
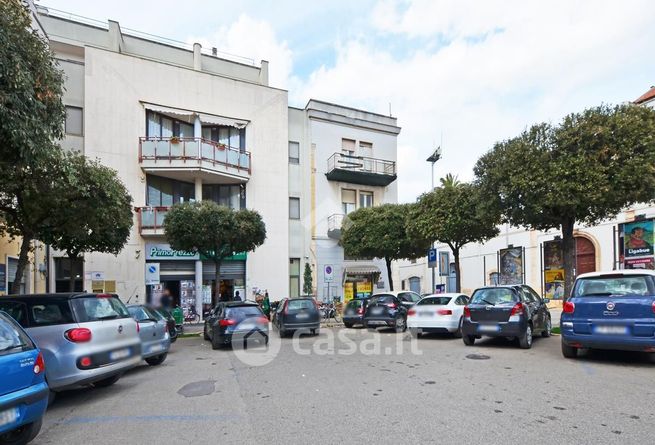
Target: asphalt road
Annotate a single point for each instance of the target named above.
(388, 391)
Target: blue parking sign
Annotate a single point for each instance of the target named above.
(432, 258)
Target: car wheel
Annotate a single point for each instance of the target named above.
(21, 435)
(282, 333)
(525, 340)
(107, 382)
(156, 360)
(348, 325)
(216, 344)
(469, 340)
(51, 397)
(415, 332)
(548, 328)
(458, 332)
(205, 334)
(401, 324)
(569, 351)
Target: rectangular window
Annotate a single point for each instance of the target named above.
(348, 201)
(365, 199)
(294, 277)
(227, 195)
(294, 152)
(348, 146)
(164, 192)
(74, 121)
(294, 208)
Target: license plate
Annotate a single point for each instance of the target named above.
(302, 316)
(611, 330)
(376, 322)
(8, 416)
(488, 328)
(425, 314)
(156, 348)
(376, 310)
(120, 354)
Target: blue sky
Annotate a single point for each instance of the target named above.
(474, 72)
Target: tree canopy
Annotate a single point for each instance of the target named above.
(380, 232)
(585, 169)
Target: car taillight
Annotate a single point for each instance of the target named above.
(360, 311)
(411, 312)
(467, 311)
(391, 305)
(517, 309)
(569, 307)
(227, 322)
(262, 320)
(445, 312)
(39, 364)
(85, 362)
(654, 307)
(78, 335)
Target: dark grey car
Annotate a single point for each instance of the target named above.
(297, 314)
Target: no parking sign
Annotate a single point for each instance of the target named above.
(328, 273)
(152, 273)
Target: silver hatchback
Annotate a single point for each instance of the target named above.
(85, 338)
(153, 332)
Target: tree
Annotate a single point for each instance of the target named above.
(214, 231)
(455, 215)
(449, 180)
(307, 286)
(93, 210)
(380, 232)
(584, 170)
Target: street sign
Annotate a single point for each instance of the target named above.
(432, 258)
(152, 273)
(328, 273)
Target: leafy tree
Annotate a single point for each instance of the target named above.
(455, 215)
(93, 210)
(585, 169)
(308, 285)
(450, 180)
(380, 232)
(214, 231)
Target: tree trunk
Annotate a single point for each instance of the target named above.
(568, 251)
(217, 277)
(23, 260)
(388, 261)
(458, 276)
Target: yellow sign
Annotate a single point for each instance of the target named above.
(347, 292)
(554, 275)
(97, 286)
(365, 286)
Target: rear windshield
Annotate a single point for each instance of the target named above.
(614, 285)
(99, 308)
(241, 312)
(355, 303)
(12, 338)
(16, 310)
(141, 313)
(436, 301)
(494, 296)
(295, 305)
(39, 313)
(382, 299)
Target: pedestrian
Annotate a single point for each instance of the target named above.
(166, 300)
(237, 297)
(266, 305)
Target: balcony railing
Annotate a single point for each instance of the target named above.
(360, 170)
(151, 220)
(334, 225)
(194, 152)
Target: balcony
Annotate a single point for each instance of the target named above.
(185, 159)
(360, 170)
(334, 225)
(151, 220)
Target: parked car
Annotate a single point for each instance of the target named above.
(354, 311)
(610, 310)
(386, 310)
(23, 389)
(153, 332)
(297, 314)
(514, 311)
(170, 321)
(406, 297)
(235, 321)
(441, 313)
(85, 338)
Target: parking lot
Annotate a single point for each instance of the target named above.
(320, 390)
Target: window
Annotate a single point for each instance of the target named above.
(348, 147)
(164, 192)
(74, 121)
(462, 300)
(64, 267)
(294, 208)
(294, 152)
(434, 301)
(494, 295)
(294, 277)
(365, 199)
(232, 196)
(348, 202)
(158, 125)
(51, 313)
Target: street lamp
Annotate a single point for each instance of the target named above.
(432, 159)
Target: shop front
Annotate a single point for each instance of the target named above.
(359, 281)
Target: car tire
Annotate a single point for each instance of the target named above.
(525, 340)
(348, 325)
(205, 334)
(104, 383)
(458, 332)
(415, 333)
(156, 360)
(400, 324)
(569, 351)
(216, 344)
(283, 333)
(547, 329)
(469, 340)
(23, 434)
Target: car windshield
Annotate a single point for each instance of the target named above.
(140, 313)
(381, 299)
(617, 285)
(94, 308)
(494, 296)
(434, 301)
(12, 338)
(241, 312)
(295, 305)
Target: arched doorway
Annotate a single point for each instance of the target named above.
(585, 255)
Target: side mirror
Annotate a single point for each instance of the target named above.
(546, 300)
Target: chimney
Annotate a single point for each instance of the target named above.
(197, 57)
(115, 36)
(263, 73)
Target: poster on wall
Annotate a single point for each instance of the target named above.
(511, 265)
(640, 263)
(188, 297)
(636, 244)
(553, 270)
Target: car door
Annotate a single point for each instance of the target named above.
(278, 312)
(531, 301)
(542, 308)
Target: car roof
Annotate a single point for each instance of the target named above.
(618, 272)
(506, 286)
(393, 292)
(60, 295)
(448, 294)
(239, 303)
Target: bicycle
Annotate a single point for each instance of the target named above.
(328, 310)
(191, 316)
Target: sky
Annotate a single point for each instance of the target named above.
(461, 74)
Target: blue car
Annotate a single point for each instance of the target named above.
(23, 389)
(610, 310)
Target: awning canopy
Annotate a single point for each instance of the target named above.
(190, 116)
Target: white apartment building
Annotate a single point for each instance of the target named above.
(181, 122)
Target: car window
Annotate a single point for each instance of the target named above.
(527, 296)
(95, 308)
(241, 312)
(534, 293)
(461, 300)
(436, 301)
(414, 297)
(354, 304)
(494, 295)
(16, 310)
(12, 338)
(295, 305)
(139, 313)
(47, 314)
(614, 285)
(381, 299)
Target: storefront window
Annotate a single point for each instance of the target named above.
(64, 267)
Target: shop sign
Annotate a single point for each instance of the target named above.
(163, 251)
(348, 291)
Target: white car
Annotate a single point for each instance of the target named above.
(441, 313)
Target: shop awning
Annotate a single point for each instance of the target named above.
(190, 116)
(361, 270)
